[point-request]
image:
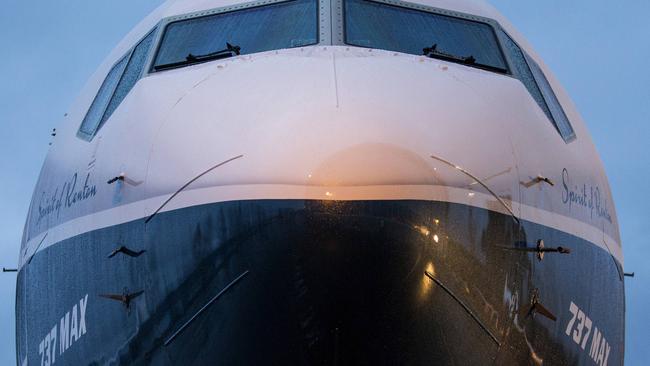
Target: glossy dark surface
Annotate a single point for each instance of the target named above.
(328, 283)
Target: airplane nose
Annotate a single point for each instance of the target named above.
(360, 213)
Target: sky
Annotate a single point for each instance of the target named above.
(598, 49)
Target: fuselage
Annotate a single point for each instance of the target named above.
(326, 201)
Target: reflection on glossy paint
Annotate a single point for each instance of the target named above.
(505, 171)
(425, 283)
(535, 358)
(422, 229)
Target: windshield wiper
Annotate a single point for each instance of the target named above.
(433, 52)
(191, 59)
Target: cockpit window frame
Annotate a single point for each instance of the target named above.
(321, 14)
(491, 23)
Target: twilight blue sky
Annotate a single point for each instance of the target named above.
(598, 49)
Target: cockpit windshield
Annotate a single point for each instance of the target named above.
(270, 27)
(382, 26)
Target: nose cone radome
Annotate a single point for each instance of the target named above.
(336, 117)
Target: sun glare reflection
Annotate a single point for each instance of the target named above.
(426, 284)
(422, 229)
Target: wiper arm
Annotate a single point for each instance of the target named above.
(229, 51)
(433, 52)
(190, 59)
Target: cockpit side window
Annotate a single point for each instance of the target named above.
(119, 81)
(96, 111)
(389, 27)
(131, 75)
(281, 25)
(558, 117)
(530, 74)
(522, 72)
